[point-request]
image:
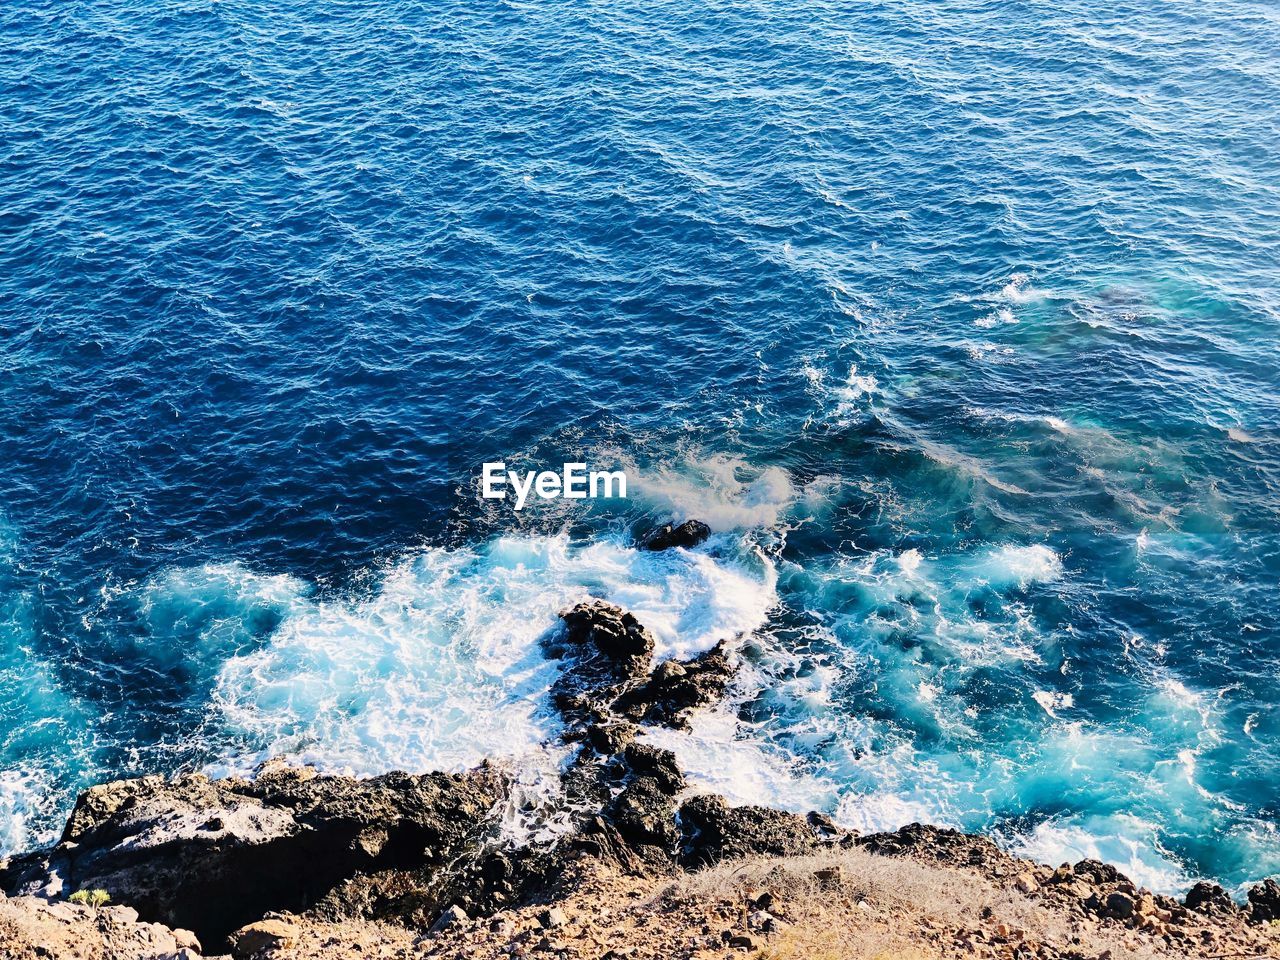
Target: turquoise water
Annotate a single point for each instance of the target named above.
(958, 323)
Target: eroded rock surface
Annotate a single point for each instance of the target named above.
(607, 684)
(32, 928)
(212, 855)
(715, 831)
(676, 688)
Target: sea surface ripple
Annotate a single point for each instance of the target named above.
(958, 321)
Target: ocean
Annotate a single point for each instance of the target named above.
(958, 322)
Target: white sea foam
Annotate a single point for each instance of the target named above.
(718, 754)
(32, 797)
(1127, 842)
(724, 755)
(1051, 702)
(47, 738)
(852, 395)
(441, 666)
(996, 318)
(856, 386)
(1020, 290)
(1017, 292)
(909, 562)
(20, 791)
(726, 493)
(196, 617)
(883, 811)
(1010, 565)
(869, 773)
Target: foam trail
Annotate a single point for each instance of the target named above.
(1019, 566)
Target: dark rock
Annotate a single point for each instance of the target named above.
(938, 844)
(551, 918)
(1209, 898)
(606, 684)
(1264, 901)
(647, 761)
(1100, 874)
(824, 825)
(600, 839)
(644, 816)
(714, 831)
(677, 687)
(599, 627)
(1119, 905)
(688, 534)
(610, 738)
(606, 651)
(213, 855)
(590, 783)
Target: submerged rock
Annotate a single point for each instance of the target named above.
(688, 534)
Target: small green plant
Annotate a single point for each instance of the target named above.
(91, 898)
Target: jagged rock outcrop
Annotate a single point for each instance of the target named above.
(211, 855)
(1264, 902)
(32, 928)
(605, 691)
(940, 844)
(688, 534)
(606, 635)
(714, 831)
(606, 686)
(605, 652)
(217, 855)
(678, 687)
(1209, 898)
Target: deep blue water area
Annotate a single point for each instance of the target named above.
(959, 322)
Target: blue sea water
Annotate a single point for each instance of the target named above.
(958, 321)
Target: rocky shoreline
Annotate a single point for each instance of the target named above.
(291, 863)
